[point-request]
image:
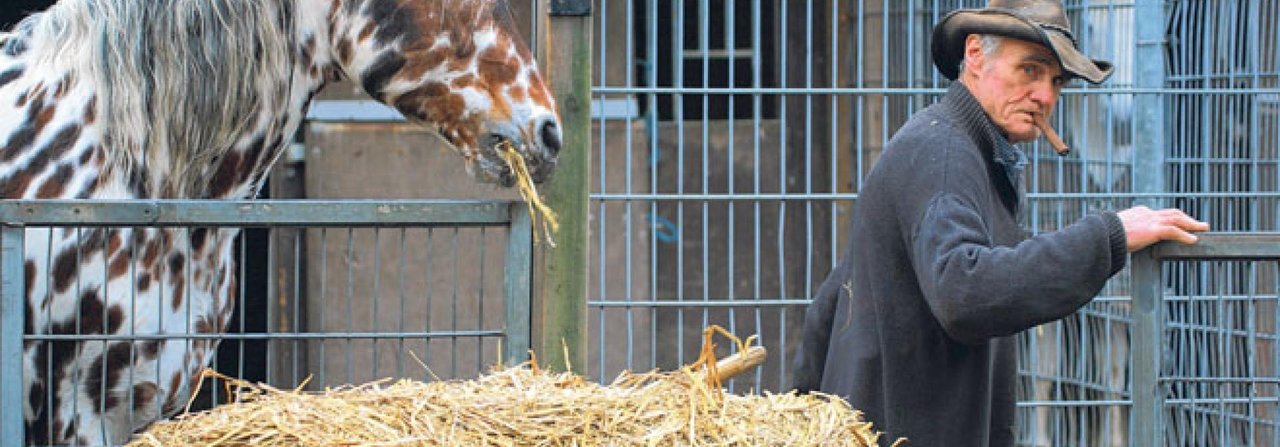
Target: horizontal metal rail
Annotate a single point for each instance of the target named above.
(693, 90)
(802, 196)
(265, 336)
(254, 213)
(694, 304)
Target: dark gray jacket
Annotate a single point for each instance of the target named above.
(915, 326)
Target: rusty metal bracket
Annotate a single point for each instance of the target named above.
(570, 8)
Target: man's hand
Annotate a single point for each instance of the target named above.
(1144, 226)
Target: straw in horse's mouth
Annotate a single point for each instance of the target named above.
(548, 221)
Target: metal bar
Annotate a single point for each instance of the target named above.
(518, 285)
(1147, 428)
(1072, 403)
(800, 91)
(1249, 380)
(1149, 108)
(347, 111)
(253, 213)
(564, 268)
(701, 303)
(1236, 246)
(11, 328)
(283, 336)
(1034, 197)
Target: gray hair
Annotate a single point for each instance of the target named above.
(990, 43)
(177, 82)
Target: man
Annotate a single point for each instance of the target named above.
(915, 326)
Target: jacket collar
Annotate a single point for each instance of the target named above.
(1002, 157)
(972, 119)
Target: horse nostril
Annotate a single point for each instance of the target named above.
(550, 134)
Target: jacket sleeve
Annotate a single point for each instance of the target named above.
(811, 358)
(978, 291)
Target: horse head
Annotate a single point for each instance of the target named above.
(458, 67)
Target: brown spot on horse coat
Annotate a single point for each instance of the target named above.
(53, 186)
(104, 374)
(10, 75)
(144, 281)
(229, 174)
(143, 394)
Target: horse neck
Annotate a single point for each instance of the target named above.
(282, 91)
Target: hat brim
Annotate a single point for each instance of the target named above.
(950, 33)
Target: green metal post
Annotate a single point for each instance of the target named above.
(1150, 126)
(1147, 422)
(518, 290)
(566, 56)
(11, 315)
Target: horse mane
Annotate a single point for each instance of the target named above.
(177, 82)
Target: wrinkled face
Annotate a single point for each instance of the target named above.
(1018, 80)
(459, 67)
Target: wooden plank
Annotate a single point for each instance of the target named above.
(562, 328)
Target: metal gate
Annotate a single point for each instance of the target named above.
(353, 291)
(1206, 359)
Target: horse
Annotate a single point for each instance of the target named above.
(196, 99)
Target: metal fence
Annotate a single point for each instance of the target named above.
(732, 136)
(348, 292)
(730, 141)
(1206, 363)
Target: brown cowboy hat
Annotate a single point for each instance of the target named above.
(1038, 21)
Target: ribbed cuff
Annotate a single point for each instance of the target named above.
(1119, 242)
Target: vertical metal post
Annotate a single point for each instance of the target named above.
(518, 288)
(566, 57)
(11, 324)
(1149, 108)
(1147, 427)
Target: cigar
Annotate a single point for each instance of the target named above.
(1059, 146)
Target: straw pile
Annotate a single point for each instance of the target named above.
(520, 406)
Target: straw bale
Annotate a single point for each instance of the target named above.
(523, 405)
(518, 406)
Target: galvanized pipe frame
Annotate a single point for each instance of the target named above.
(16, 216)
(1149, 322)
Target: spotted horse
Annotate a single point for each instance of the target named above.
(195, 99)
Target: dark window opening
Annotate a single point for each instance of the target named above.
(709, 66)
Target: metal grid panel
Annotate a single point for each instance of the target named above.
(1223, 379)
(328, 292)
(1207, 371)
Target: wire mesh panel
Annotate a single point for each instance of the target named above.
(120, 305)
(1208, 371)
(1222, 376)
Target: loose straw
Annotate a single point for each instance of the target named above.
(549, 223)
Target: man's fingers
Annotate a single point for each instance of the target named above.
(1185, 222)
(1175, 217)
(1145, 226)
(1177, 234)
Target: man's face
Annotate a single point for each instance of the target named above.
(1019, 79)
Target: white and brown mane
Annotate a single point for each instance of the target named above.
(195, 99)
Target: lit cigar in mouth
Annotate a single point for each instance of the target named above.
(1058, 145)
